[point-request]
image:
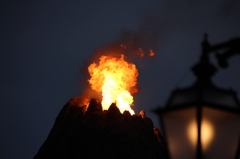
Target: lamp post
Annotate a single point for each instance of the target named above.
(203, 121)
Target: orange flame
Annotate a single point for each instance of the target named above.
(115, 79)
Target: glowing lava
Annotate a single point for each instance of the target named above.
(115, 79)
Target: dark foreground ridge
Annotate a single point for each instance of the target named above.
(81, 134)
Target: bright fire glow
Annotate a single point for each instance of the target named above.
(207, 133)
(115, 79)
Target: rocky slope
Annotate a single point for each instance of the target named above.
(87, 134)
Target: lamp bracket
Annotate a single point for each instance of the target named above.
(223, 51)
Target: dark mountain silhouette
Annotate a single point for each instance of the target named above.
(93, 133)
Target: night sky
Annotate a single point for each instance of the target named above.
(43, 46)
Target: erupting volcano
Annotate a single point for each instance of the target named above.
(101, 123)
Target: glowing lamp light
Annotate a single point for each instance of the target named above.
(202, 121)
(207, 133)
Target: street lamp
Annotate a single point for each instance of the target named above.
(203, 121)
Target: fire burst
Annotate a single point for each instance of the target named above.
(115, 79)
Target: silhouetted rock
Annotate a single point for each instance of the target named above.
(93, 133)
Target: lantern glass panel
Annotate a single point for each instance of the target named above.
(178, 133)
(224, 129)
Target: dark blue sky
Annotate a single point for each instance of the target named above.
(43, 45)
